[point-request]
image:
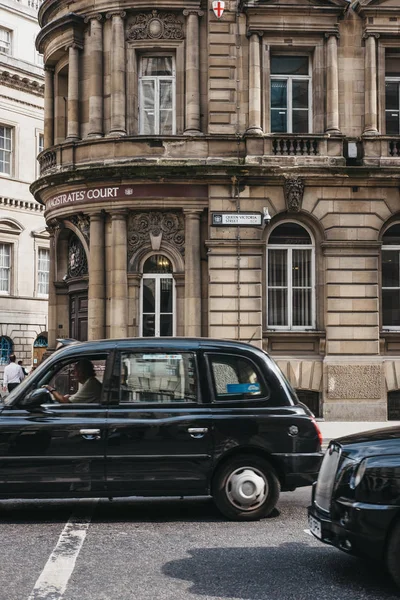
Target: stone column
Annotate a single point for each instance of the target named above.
(52, 306)
(96, 304)
(192, 273)
(192, 72)
(48, 107)
(119, 277)
(371, 103)
(73, 93)
(95, 41)
(254, 85)
(332, 84)
(118, 83)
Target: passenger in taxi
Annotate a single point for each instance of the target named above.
(90, 389)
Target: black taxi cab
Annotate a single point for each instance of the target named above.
(158, 417)
(356, 500)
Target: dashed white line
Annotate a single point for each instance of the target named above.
(54, 578)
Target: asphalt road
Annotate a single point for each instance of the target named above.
(176, 550)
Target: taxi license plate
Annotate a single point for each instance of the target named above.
(315, 526)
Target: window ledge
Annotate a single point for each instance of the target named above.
(294, 342)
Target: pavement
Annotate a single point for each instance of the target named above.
(335, 429)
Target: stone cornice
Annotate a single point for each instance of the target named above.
(23, 84)
(21, 204)
(70, 20)
(11, 99)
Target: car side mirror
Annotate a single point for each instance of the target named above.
(35, 398)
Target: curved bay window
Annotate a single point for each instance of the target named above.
(391, 278)
(291, 278)
(158, 298)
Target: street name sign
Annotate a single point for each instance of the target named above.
(234, 219)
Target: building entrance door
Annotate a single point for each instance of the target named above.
(78, 316)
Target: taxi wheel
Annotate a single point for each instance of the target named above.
(246, 488)
(393, 554)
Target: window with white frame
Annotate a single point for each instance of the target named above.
(391, 278)
(392, 94)
(5, 41)
(157, 298)
(157, 111)
(290, 94)
(43, 271)
(290, 278)
(5, 149)
(40, 143)
(5, 268)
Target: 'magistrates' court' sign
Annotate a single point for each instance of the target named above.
(123, 192)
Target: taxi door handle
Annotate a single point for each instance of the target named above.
(197, 432)
(90, 434)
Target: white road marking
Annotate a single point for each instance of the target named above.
(54, 578)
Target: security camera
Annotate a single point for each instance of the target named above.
(267, 216)
(65, 277)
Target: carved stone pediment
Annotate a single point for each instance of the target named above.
(155, 26)
(294, 191)
(152, 228)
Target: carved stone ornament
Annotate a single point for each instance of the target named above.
(143, 228)
(155, 26)
(77, 260)
(294, 191)
(82, 222)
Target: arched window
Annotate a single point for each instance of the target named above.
(290, 278)
(40, 342)
(157, 298)
(5, 350)
(391, 278)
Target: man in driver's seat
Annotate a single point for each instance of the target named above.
(90, 389)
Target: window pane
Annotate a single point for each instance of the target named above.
(235, 378)
(390, 269)
(156, 65)
(301, 265)
(392, 96)
(149, 325)
(301, 307)
(278, 121)
(300, 121)
(158, 377)
(391, 308)
(166, 287)
(300, 94)
(277, 307)
(392, 122)
(392, 235)
(149, 291)
(278, 94)
(277, 268)
(148, 107)
(289, 65)
(166, 122)
(166, 325)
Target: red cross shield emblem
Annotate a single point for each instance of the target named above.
(218, 8)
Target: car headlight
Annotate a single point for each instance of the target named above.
(358, 474)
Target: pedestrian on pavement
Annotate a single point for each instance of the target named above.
(13, 374)
(23, 368)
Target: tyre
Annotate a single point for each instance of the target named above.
(246, 488)
(393, 554)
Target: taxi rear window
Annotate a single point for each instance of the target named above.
(235, 378)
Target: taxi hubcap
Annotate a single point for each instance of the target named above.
(246, 488)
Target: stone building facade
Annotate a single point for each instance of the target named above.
(24, 241)
(172, 132)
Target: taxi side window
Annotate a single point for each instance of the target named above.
(158, 377)
(236, 378)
